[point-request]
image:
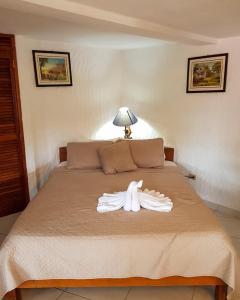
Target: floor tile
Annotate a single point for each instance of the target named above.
(69, 296)
(101, 293)
(40, 294)
(231, 224)
(7, 222)
(160, 293)
(235, 296)
(203, 293)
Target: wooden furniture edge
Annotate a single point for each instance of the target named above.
(19, 121)
(18, 135)
(169, 153)
(131, 281)
(220, 291)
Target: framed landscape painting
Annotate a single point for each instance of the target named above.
(52, 68)
(207, 73)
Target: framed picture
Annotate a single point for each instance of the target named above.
(207, 73)
(52, 68)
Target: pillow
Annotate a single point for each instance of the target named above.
(84, 155)
(148, 153)
(116, 158)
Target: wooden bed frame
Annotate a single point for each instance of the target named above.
(220, 285)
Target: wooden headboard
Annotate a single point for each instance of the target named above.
(169, 153)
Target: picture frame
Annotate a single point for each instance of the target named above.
(207, 73)
(52, 68)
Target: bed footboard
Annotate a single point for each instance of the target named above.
(13, 295)
(221, 292)
(220, 286)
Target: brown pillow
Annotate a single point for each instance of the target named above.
(116, 158)
(84, 155)
(148, 153)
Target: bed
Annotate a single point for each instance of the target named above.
(71, 245)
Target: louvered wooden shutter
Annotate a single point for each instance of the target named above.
(13, 177)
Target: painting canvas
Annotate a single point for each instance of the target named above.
(52, 68)
(207, 73)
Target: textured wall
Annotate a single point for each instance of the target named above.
(52, 116)
(204, 128)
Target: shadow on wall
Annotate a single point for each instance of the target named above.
(42, 174)
(32, 184)
(212, 190)
(140, 130)
(210, 187)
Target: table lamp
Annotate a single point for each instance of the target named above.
(125, 118)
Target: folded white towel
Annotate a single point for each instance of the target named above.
(111, 202)
(135, 201)
(157, 203)
(133, 198)
(128, 198)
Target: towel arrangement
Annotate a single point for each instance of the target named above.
(133, 199)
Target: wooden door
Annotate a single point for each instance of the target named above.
(14, 194)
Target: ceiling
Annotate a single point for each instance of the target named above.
(215, 18)
(122, 24)
(52, 29)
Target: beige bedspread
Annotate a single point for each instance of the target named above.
(61, 235)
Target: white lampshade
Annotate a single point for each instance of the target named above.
(124, 117)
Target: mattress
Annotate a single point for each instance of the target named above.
(60, 235)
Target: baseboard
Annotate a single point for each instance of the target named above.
(223, 209)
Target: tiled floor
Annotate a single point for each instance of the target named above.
(231, 224)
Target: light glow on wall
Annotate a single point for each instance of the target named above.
(140, 130)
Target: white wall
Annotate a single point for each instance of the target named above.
(203, 128)
(52, 116)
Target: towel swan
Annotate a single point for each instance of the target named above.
(133, 199)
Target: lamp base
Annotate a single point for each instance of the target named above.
(127, 132)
